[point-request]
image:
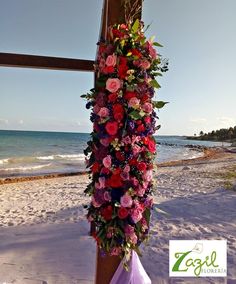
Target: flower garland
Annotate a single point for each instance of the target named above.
(122, 148)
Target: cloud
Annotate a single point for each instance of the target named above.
(225, 121)
(4, 121)
(21, 121)
(198, 120)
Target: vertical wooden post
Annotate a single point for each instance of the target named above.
(113, 12)
(106, 267)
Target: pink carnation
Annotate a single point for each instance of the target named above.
(126, 200)
(103, 112)
(111, 60)
(134, 102)
(107, 161)
(113, 85)
(147, 107)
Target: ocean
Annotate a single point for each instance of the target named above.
(29, 153)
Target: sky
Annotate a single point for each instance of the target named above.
(198, 38)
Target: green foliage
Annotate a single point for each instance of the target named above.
(155, 84)
(159, 104)
(223, 134)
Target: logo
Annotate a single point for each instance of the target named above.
(198, 258)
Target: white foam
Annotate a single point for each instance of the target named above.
(74, 157)
(26, 168)
(45, 157)
(4, 161)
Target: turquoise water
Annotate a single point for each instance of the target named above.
(25, 153)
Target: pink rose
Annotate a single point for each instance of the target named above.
(116, 251)
(135, 181)
(147, 176)
(126, 200)
(102, 181)
(111, 60)
(133, 239)
(95, 203)
(152, 51)
(96, 109)
(136, 149)
(141, 190)
(134, 102)
(126, 169)
(107, 161)
(103, 112)
(113, 85)
(107, 196)
(105, 142)
(125, 175)
(147, 107)
(126, 140)
(129, 230)
(136, 215)
(145, 64)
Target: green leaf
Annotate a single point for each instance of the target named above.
(157, 44)
(155, 84)
(135, 26)
(83, 96)
(135, 115)
(159, 104)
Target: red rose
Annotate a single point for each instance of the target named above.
(123, 213)
(120, 156)
(152, 145)
(105, 171)
(147, 119)
(115, 181)
(107, 213)
(135, 52)
(129, 95)
(95, 167)
(133, 162)
(118, 112)
(141, 166)
(122, 68)
(108, 69)
(144, 98)
(141, 128)
(112, 97)
(112, 128)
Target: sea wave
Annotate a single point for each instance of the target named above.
(79, 157)
(4, 161)
(45, 157)
(72, 157)
(25, 168)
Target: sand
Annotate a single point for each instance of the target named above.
(44, 235)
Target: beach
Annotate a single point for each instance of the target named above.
(45, 236)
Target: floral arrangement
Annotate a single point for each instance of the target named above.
(121, 152)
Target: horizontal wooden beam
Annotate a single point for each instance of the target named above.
(45, 62)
